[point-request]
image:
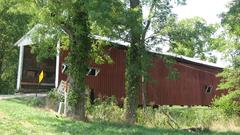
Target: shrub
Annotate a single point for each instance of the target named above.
(151, 117)
(229, 104)
(53, 94)
(106, 110)
(163, 116)
(178, 117)
(195, 116)
(6, 88)
(53, 99)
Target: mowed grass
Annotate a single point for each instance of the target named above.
(17, 118)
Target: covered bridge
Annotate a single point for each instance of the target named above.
(195, 85)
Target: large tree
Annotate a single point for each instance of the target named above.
(75, 23)
(145, 34)
(128, 24)
(136, 32)
(68, 21)
(133, 66)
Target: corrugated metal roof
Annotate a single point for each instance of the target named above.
(118, 42)
(26, 40)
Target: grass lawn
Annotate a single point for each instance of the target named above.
(18, 118)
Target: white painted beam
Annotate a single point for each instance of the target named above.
(57, 64)
(20, 67)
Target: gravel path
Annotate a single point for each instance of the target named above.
(22, 95)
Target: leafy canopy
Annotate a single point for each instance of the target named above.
(192, 37)
(12, 26)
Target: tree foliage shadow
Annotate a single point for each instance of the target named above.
(74, 127)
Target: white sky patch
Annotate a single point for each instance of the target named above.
(207, 9)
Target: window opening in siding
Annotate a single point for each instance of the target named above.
(208, 88)
(64, 67)
(93, 71)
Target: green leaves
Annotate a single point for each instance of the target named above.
(231, 76)
(232, 19)
(12, 25)
(191, 37)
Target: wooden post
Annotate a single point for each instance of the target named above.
(66, 89)
(60, 108)
(65, 103)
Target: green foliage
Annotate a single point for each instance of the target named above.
(98, 53)
(229, 104)
(229, 21)
(6, 88)
(136, 34)
(12, 25)
(231, 75)
(69, 21)
(152, 118)
(53, 99)
(54, 95)
(72, 98)
(231, 18)
(196, 116)
(106, 110)
(192, 37)
(183, 117)
(230, 79)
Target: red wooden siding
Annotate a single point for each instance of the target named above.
(110, 80)
(189, 89)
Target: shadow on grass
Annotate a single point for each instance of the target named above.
(73, 127)
(30, 101)
(107, 128)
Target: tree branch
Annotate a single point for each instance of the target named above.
(67, 29)
(150, 16)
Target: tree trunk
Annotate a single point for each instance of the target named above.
(144, 93)
(133, 82)
(133, 68)
(80, 108)
(79, 59)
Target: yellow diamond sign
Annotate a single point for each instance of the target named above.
(40, 78)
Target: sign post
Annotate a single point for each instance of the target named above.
(40, 78)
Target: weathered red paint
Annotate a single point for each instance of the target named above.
(188, 89)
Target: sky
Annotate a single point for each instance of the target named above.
(207, 9)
